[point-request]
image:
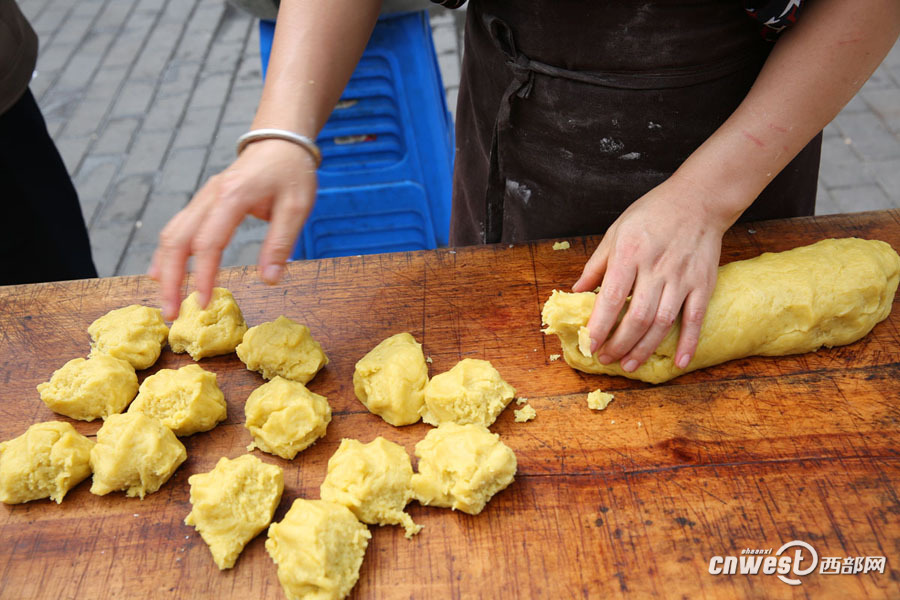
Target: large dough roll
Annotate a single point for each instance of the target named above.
(828, 294)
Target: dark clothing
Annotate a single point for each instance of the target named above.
(44, 235)
(18, 53)
(570, 110)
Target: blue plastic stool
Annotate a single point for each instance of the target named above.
(387, 149)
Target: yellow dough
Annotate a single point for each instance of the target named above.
(319, 547)
(462, 467)
(88, 389)
(525, 414)
(471, 392)
(828, 294)
(216, 330)
(284, 417)
(599, 400)
(282, 348)
(372, 480)
(390, 380)
(186, 401)
(135, 334)
(46, 461)
(232, 503)
(135, 453)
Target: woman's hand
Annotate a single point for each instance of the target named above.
(663, 251)
(273, 180)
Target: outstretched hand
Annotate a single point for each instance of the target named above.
(273, 180)
(663, 251)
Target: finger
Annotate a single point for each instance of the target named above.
(614, 290)
(232, 196)
(669, 306)
(691, 322)
(593, 271)
(635, 324)
(288, 217)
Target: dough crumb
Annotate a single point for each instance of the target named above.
(212, 331)
(584, 341)
(428, 360)
(599, 400)
(390, 380)
(471, 392)
(521, 400)
(319, 547)
(282, 348)
(231, 504)
(640, 424)
(373, 481)
(561, 245)
(46, 461)
(555, 357)
(525, 414)
(284, 417)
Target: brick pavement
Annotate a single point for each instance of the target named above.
(146, 97)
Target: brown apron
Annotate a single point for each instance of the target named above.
(570, 110)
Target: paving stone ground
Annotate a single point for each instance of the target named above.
(145, 99)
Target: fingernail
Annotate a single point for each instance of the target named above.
(630, 366)
(604, 359)
(683, 361)
(272, 273)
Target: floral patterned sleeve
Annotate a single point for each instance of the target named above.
(774, 15)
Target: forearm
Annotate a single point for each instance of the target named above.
(813, 71)
(316, 47)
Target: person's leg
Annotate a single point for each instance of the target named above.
(46, 238)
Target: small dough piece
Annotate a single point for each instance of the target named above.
(390, 380)
(46, 461)
(584, 341)
(282, 348)
(525, 414)
(284, 417)
(564, 245)
(319, 547)
(216, 330)
(135, 453)
(186, 400)
(231, 504)
(555, 357)
(135, 334)
(372, 480)
(86, 389)
(599, 400)
(471, 392)
(462, 467)
(830, 293)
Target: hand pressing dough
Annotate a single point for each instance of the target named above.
(373, 481)
(284, 417)
(46, 461)
(216, 330)
(231, 504)
(828, 294)
(135, 453)
(87, 389)
(462, 467)
(390, 380)
(318, 547)
(471, 392)
(186, 400)
(282, 348)
(135, 334)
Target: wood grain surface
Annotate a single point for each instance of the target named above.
(632, 501)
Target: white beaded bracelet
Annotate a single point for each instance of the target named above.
(280, 134)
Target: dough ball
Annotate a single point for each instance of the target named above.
(282, 348)
(46, 461)
(135, 453)
(135, 334)
(462, 467)
(284, 417)
(390, 380)
(211, 332)
(186, 401)
(232, 503)
(318, 547)
(470, 392)
(86, 389)
(828, 294)
(372, 480)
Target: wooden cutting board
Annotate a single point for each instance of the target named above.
(631, 501)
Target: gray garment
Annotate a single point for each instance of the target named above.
(18, 54)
